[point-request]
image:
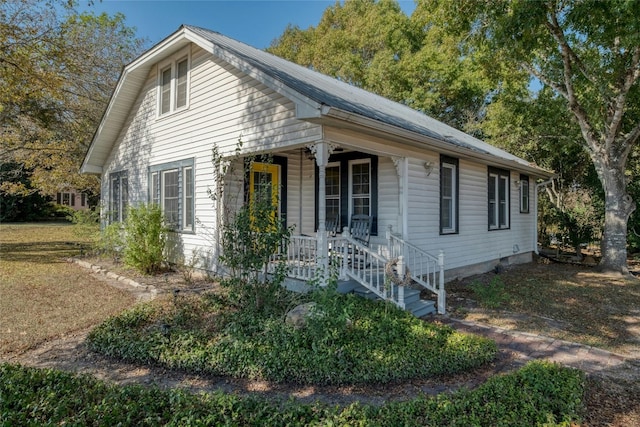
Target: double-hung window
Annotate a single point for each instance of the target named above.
(172, 188)
(118, 196)
(448, 195)
(332, 192)
(360, 187)
(524, 194)
(351, 188)
(498, 195)
(173, 85)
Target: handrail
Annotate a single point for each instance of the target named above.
(367, 267)
(425, 269)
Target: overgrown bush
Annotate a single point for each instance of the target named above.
(252, 236)
(538, 394)
(145, 238)
(352, 340)
(110, 243)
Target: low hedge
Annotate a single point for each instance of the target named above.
(538, 394)
(350, 340)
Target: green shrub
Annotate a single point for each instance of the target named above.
(145, 238)
(110, 243)
(86, 225)
(538, 394)
(491, 295)
(352, 340)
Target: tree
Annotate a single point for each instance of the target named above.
(376, 46)
(57, 71)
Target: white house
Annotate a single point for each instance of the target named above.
(338, 151)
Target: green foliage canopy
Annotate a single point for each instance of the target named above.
(57, 72)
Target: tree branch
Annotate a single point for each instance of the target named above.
(569, 93)
(630, 77)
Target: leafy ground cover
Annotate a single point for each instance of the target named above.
(607, 402)
(347, 340)
(43, 296)
(538, 394)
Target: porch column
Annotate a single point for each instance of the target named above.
(321, 151)
(402, 169)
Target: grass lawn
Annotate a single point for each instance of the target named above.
(41, 295)
(562, 301)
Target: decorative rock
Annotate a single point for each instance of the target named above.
(297, 316)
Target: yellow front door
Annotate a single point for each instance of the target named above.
(264, 187)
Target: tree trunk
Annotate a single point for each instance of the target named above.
(618, 208)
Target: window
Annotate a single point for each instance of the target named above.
(173, 85)
(118, 196)
(360, 187)
(172, 188)
(351, 188)
(498, 199)
(448, 195)
(524, 194)
(332, 192)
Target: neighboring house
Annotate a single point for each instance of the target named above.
(74, 199)
(338, 151)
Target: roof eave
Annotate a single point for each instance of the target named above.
(106, 135)
(421, 141)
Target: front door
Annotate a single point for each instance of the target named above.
(264, 191)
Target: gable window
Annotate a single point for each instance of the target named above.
(498, 195)
(351, 188)
(448, 195)
(118, 196)
(172, 188)
(173, 85)
(524, 194)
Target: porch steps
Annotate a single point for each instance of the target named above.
(413, 304)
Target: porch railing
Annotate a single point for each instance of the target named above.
(425, 269)
(365, 266)
(352, 259)
(299, 255)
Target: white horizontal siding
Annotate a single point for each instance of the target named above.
(226, 105)
(474, 243)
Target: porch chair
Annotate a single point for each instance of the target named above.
(332, 226)
(360, 228)
(360, 231)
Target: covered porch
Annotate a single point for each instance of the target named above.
(319, 189)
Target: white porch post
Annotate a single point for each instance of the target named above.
(402, 169)
(321, 151)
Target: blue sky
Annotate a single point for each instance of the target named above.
(255, 22)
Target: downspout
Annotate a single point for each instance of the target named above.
(535, 211)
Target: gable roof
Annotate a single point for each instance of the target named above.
(316, 96)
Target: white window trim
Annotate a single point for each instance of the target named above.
(351, 164)
(122, 179)
(172, 63)
(339, 195)
(501, 176)
(156, 191)
(524, 190)
(454, 198)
